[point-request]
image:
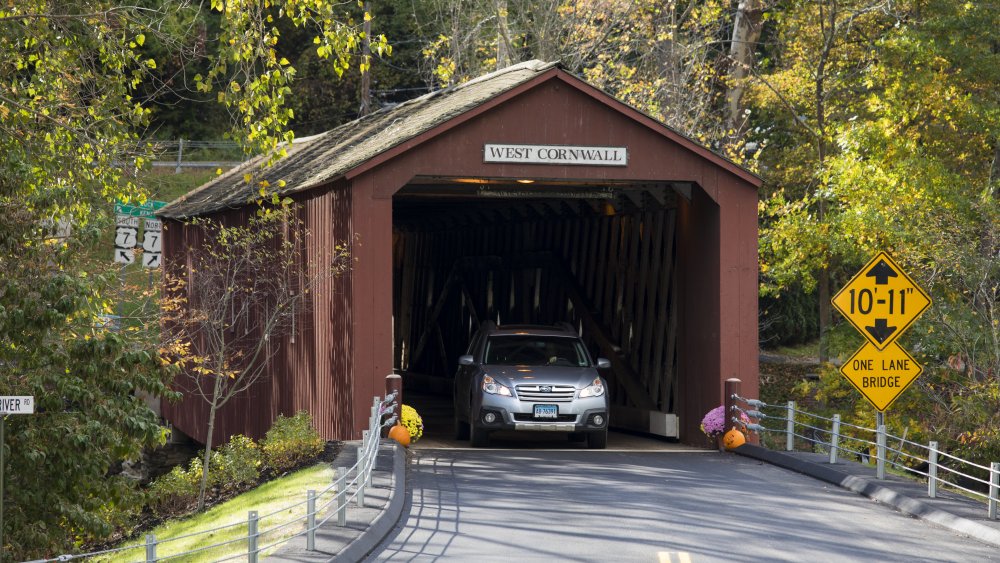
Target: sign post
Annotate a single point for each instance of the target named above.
(881, 301)
(10, 405)
(127, 222)
(127, 233)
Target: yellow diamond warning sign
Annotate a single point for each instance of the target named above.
(881, 375)
(881, 301)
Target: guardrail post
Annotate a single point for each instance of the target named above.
(252, 536)
(362, 462)
(994, 489)
(790, 428)
(932, 467)
(341, 496)
(394, 384)
(150, 548)
(311, 520)
(732, 387)
(372, 453)
(880, 452)
(834, 439)
(180, 156)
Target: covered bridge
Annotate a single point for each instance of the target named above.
(526, 195)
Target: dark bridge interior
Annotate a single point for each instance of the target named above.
(601, 257)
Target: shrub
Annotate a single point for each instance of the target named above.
(290, 442)
(175, 491)
(236, 464)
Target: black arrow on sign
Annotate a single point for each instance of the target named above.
(881, 331)
(881, 272)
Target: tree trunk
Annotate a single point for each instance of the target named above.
(366, 59)
(995, 170)
(747, 27)
(213, 407)
(503, 36)
(829, 28)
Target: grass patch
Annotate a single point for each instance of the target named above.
(167, 186)
(269, 497)
(809, 350)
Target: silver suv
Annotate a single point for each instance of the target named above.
(530, 378)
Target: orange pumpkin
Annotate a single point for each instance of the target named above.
(733, 439)
(400, 434)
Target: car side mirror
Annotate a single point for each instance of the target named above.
(603, 363)
(467, 360)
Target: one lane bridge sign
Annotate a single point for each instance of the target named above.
(881, 301)
(881, 375)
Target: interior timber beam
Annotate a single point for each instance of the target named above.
(621, 368)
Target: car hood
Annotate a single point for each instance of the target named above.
(542, 375)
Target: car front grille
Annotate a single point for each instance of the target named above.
(521, 417)
(546, 393)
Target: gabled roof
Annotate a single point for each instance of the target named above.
(314, 161)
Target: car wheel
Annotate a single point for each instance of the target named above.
(461, 429)
(478, 437)
(597, 440)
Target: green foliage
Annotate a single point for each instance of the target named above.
(175, 492)
(236, 464)
(73, 107)
(290, 442)
(251, 78)
(664, 58)
(788, 319)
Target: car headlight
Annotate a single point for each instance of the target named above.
(595, 389)
(493, 388)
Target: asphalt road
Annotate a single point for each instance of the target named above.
(572, 505)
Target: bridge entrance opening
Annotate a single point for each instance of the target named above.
(600, 256)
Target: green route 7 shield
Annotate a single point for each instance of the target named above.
(881, 301)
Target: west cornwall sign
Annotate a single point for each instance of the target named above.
(555, 154)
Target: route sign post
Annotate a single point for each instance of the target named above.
(881, 301)
(127, 221)
(24, 404)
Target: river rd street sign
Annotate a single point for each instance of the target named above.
(881, 301)
(22, 404)
(881, 375)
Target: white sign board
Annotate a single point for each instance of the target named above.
(555, 154)
(126, 233)
(127, 240)
(152, 243)
(24, 404)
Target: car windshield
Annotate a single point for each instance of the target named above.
(534, 350)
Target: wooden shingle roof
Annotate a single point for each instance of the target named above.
(317, 160)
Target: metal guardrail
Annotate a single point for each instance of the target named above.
(829, 433)
(183, 153)
(334, 499)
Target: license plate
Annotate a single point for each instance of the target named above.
(546, 411)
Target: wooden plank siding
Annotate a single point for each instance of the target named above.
(311, 367)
